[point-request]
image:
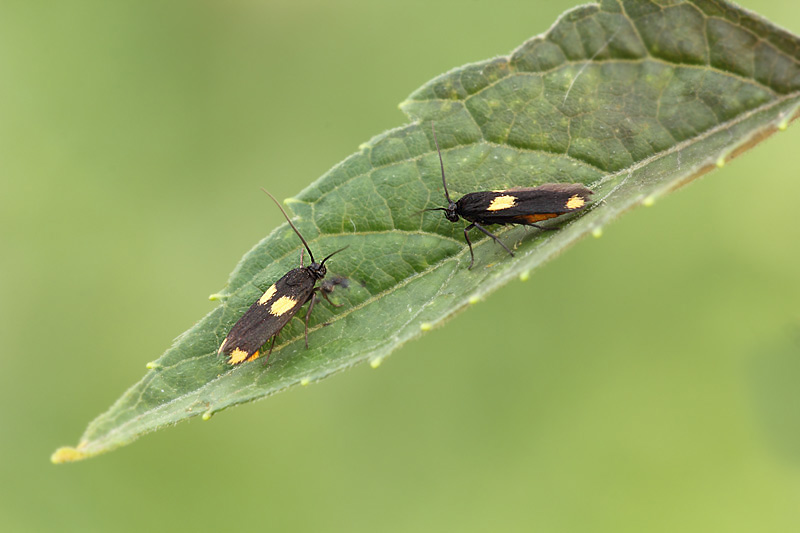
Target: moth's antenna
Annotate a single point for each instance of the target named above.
(290, 223)
(415, 213)
(336, 252)
(441, 163)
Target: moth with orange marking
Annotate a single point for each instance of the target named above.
(521, 205)
(279, 303)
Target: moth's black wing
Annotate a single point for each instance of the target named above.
(268, 315)
(523, 205)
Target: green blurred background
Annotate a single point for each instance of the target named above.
(644, 381)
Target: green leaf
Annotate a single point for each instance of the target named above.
(632, 98)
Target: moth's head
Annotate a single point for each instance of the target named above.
(450, 212)
(318, 270)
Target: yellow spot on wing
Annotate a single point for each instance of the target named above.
(576, 201)
(237, 356)
(502, 202)
(267, 295)
(282, 305)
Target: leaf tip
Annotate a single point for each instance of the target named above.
(68, 454)
(375, 363)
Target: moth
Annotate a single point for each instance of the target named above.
(280, 302)
(519, 205)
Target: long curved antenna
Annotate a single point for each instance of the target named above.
(336, 252)
(441, 163)
(290, 223)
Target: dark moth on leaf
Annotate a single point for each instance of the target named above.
(521, 205)
(269, 314)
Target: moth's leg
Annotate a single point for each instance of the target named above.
(493, 236)
(271, 346)
(469, 243)
(310, 308)
(537, 226)
(325, 295)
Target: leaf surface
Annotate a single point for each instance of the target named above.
(631, 98)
